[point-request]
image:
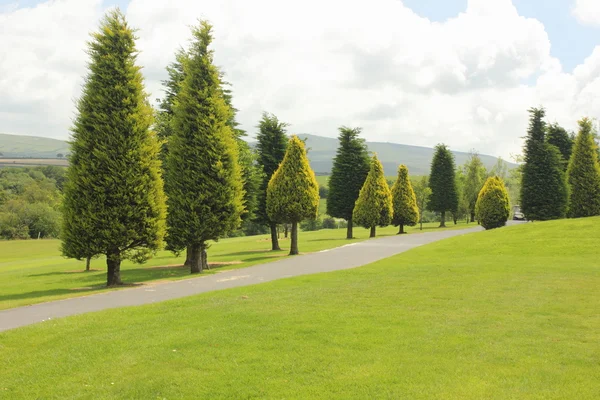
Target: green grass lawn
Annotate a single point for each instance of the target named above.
(33, 271)
(506, 314)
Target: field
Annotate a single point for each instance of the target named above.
(504, 314)
(20, 162)
(33, 271)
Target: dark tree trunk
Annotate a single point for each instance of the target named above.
(421, 222)
(285, 230)
(188, 256)
(373, 228)
(274, 239)
(472, 216)
(87, 263)
(194, 256)
(401, 231)
(294, 246)
(203, 257)
(349, 229)
(113, 262)
(455, 219)
(443, 222)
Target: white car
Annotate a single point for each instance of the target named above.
(517, 214)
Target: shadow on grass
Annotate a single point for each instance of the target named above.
(273, 253)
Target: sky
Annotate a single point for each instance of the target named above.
(420, 72)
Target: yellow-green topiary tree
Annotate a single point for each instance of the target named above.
(404, 201)
(293, 191)
(374, 204)
(492, 208)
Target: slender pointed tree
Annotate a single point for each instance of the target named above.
(475, 177)
(584, 174)
(113, 198)
(203, 177)
(350, 168)
(374, 204)
(271, 147)
(544, 192)
(444, 195)
(404, 201)
(422, 193)
(560, 138)
(492, 206)
(293, 191)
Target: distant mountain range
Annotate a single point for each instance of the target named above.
(321, 152)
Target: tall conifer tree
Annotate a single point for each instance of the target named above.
(293, 191)
(475, 173)
(544, 192)
(444, 194)
(271, 147)
(374, 204)
(584, 174)
(113, 198)
(559, 138)
(203, 177)
(350, 168)
(404, 201)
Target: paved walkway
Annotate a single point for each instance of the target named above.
(345, 257)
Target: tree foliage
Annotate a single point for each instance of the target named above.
(374, 204)
(404, 201)
(560, 138)
(493, 208)
(113, 198)
(422, 194)
(584, 174)
(350, 168)
(475, 175)
(444, 195)
(203, 177)
(544, 192)
(293, 191)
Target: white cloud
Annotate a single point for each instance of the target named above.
(317, 65)
(587, 11)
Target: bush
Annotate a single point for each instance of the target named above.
(323, 192)
(329, 223)
(492, 208)
(311, 224)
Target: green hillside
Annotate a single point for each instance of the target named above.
(321, 152)
(31, 146)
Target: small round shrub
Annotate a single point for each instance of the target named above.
(329, 223)
(492, 208)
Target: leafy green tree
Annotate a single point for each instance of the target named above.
(475, 175)
(560, 138)
(422, 194)
(584, 174)
(113, 197)
(271, 147)
(203, 178)
(374, 204)
(462, 210)
(444, 195)
(544, 192)
(293, 191)
(492, 206)
(350, 169)
(404, 201)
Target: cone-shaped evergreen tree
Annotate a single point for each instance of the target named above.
(444, 195)
(404, 201)
(113, 198)
(350, 168)
(203, 179)
(492, 207)
(544, 192)
(293, 191)
(475, 173)
(374, 204)
(558, 137)
(271, 146)
(584, 174)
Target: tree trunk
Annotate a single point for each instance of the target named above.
(294, 246)
(454, 218)
(87, 263)
(194, 257)
(188, 256)
(285, 230)
(274, 239)
(373, 228)
(472, 216)
(113, 262)
(421, 222)
(401, 231)
(443, 222)
(349, 229)
(203, 257)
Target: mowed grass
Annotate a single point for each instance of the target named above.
(34, 271)
(506, 314)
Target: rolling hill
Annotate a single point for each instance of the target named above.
(321, 152)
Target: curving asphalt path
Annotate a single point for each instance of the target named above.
(345, 257)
